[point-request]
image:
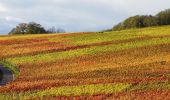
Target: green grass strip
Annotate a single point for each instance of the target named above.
(10, 66)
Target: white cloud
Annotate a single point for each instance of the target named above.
(2, 8)
(10, 19)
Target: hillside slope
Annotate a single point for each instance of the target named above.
(120, 64)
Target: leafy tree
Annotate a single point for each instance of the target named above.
(139, 21)
(150, 21)
(12, 31)
(22, 28)
(34, 28)
(30, 28)
(131, 22)
(164, 17)
(117, 27)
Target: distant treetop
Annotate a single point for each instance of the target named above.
(140, 21)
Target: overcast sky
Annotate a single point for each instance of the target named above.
(74, 15)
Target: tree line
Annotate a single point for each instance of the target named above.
(140, 21)
(33, 28)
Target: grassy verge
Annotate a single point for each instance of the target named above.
(11, 67)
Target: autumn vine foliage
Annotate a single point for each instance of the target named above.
(111, 65)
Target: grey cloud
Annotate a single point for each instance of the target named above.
(75, 15)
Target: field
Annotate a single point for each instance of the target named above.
(128, 64)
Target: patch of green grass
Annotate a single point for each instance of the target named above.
(10, 66)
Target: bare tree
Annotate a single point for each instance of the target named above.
(54, 30)
(60, 30)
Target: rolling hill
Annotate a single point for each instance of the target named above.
(123, 64)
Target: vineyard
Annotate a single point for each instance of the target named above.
(128, 64)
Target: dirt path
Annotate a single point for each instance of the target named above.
(7, 76)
